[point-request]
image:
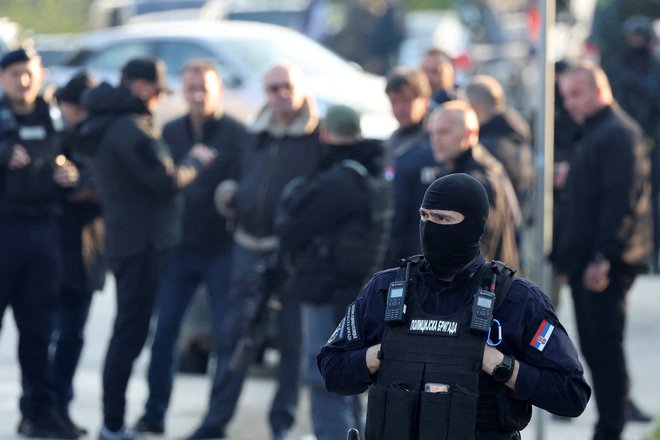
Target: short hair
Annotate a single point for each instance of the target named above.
(415, 79)
(201, 66)
(595, 76)
(462, 112)
(487, 92)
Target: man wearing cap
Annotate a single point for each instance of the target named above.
(81, 229)
(137, 181)
(32, 174)
(450, 345)
(333, 228)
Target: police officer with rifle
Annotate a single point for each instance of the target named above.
(451, 346)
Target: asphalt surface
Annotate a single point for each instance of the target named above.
(250, 422)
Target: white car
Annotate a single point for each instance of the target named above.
(243, 51)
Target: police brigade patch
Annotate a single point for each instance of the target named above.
(542, 335)
(347, 328)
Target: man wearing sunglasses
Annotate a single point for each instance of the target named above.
(284, 145)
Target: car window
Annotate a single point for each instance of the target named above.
(177, 54)
(259, 52)
(113, 58)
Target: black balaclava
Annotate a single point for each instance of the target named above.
(449, 248)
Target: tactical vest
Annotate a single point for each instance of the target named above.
(430, 385)
(34, 182)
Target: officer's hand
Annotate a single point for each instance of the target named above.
(66, 173)
(492, 358)
(19, 158)
(373, 363)
(596, 276)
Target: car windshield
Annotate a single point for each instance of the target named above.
(258, 53)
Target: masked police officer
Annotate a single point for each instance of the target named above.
(32, 175)
(451, 346)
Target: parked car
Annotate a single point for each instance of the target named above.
(243, 51)
(110, 13)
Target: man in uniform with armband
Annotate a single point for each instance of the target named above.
(449, 345)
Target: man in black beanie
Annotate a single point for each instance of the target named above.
(81, 236)
(449, 345)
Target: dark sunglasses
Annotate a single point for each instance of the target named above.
(275, 88)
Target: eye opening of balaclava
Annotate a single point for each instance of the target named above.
(449, 248)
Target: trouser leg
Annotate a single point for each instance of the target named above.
(178, 284)
(600, 320)
(137, 284)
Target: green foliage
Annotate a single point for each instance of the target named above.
(48, 16)
(428, 4)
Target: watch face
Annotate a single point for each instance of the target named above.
(503, 371)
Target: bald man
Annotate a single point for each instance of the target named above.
(284, 145)
(454, 133)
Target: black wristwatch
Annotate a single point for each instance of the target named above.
(503, 371)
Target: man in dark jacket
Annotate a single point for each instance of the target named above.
(204, 253)
(439, 70)
(409, 94)
(137, 181)
(454, 131)
(284, 145)
(333, 226)
(605, 235)
(504, 133)
(409, 159)
(635, 80)
(81, 229)
(32, 175)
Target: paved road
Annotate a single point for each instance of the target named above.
(250, 423)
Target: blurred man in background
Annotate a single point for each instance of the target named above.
(410, 161)
(204, 252)
(440, 72)
(454, 131)
(504, 133)
(635, 79)
(32, 173)
(137, 181)
(333, 228)
(605, 238)
(284, 145)
(81, 227)
(409, 93)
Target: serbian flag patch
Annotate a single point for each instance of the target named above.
(542, 335)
